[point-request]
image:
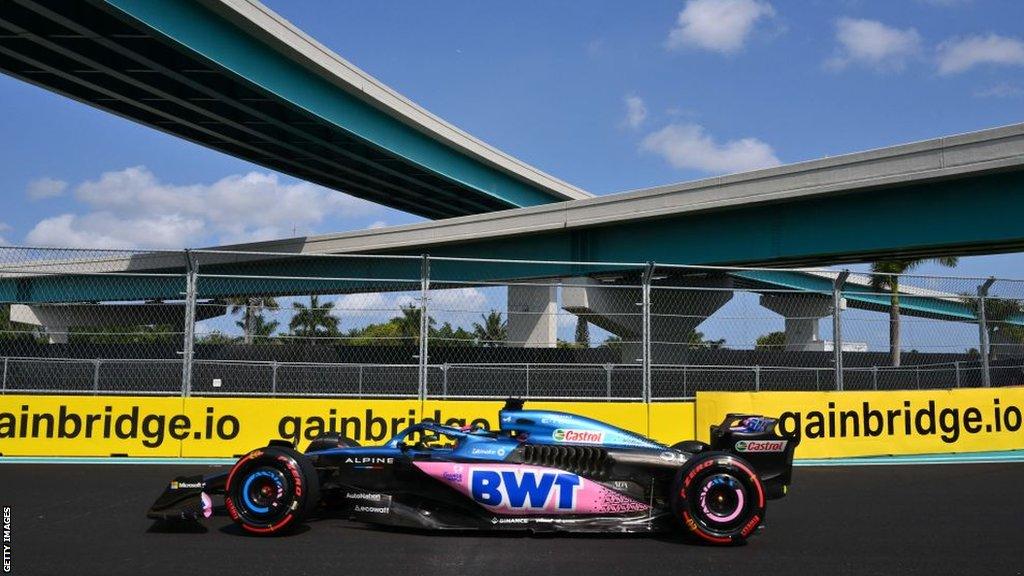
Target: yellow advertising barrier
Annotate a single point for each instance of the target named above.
(225, 427)
(299, 420)
(831, 424)
(841, 424)
(91, 426)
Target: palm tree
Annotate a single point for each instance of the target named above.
(251, 308)
(259, 327)
(314, 320)
(771, 341)
(885, 277)
(582, 332)
(997, 313)
(493, 330)
(697, 341)
(409, 323)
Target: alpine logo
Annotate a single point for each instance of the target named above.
(369, 460)
(761, 445)
(578, 436)
(525, 490)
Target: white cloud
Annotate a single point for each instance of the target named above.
(636, 111)
(962, 54)
(717, 25)
(459, 301)
(377, 224)
(3, 228)
(457, 305)
(1001, 90)
(873, 44)
(131, 208)
(108, 231)
(689, 146)
(43, 188)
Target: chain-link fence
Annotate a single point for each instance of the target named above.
(232, 323)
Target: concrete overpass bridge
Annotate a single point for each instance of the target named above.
(233, 76)
(236, 77)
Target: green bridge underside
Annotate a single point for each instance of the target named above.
(179, 67)
(956, 216)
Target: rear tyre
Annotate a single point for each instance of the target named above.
(718, 498)
(271, 490)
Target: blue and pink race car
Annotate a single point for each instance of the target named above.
(541, 471)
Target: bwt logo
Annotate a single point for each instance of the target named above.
(524, 490)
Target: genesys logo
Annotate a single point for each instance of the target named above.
(761, 445)
(558, 419)
(578, 436)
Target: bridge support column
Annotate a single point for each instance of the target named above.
(675, 314)
(533, 316)
(803, 314)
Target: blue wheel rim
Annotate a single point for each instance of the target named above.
(262, 475)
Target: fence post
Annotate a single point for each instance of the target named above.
(645, 335)
(444, 380)
(191, 271)
(874, 376)
(956, 368)
(359, 384)
(5, 375)
(608, 382)
(837, 325)
(527, 379)
(757, 378)
(95, 376)
(273, 377)
(424, 325)
(983, 343)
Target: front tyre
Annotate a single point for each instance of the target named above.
(271, 490)
(717, 497)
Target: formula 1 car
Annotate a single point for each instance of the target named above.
(541, 471)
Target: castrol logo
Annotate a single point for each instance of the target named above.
(761, 445)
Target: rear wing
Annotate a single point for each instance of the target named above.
(758, 440)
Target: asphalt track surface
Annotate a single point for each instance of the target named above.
(924, 519)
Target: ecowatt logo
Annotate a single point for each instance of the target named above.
(761, 445)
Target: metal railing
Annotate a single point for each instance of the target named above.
(538, 381)
(227, 323)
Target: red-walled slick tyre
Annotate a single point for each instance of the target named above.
(718, 498)
(271, 490)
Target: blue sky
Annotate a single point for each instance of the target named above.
(607, 95)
